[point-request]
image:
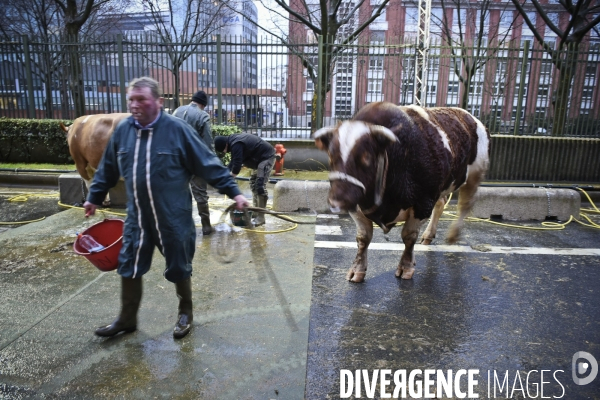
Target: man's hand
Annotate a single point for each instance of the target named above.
(90, 209)
(241, 202)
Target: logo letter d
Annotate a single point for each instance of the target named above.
(583, 367)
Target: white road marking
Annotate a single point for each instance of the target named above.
(328, 230)
(465, 249)
(330, 216)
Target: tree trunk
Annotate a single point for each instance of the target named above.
(464, 98)
(321, 89)
(76, 75)
(64, 97)
(176, 88)
(561, 94)
(47, 79)
(48, 100)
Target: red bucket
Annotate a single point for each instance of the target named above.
(109, 233)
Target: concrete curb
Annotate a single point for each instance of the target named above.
(516, 204)
(73, 191)
(300, 195)
(28, 178)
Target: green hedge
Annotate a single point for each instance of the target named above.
(33, 140)
(42, 140)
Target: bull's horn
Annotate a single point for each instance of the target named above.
(323, 131)
(385, 132)
(323, 137)
(63, 127)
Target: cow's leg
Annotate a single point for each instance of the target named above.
(466, 195)
(364, 234)
(410, 233)
(90, 171)
(431, 229)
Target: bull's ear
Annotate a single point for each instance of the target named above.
(383, 134)
(323, 137)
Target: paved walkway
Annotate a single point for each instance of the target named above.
(250, 324)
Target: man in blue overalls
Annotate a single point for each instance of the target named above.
(156, 154)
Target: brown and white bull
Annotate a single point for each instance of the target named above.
(87, 138)
(393, 163)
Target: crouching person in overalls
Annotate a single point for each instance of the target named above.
(251, 152)
(156, 154)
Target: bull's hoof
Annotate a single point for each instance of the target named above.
(451, 239)
(356, 277)
(453, 236)
(426, 242)
(405, 273)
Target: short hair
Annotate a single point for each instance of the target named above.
(146, 82)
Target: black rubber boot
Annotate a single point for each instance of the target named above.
(185, 316)
(126, 322)
(204, 213)
(261, 200)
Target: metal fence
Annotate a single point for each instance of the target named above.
(267, 87)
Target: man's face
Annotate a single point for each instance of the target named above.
(143, 106)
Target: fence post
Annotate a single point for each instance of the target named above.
(121, 74)
(31, 100)
(320, 69)
(219, 82)
(524, 63)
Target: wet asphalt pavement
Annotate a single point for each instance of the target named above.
(476, 305)
(276, 319)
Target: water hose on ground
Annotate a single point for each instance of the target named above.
(546, 225)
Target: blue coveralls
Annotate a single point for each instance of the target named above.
(157, 164)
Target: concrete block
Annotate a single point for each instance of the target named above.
(301, 195)
(29, 179)
(518, 204)
(73, 190)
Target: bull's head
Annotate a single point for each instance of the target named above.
(357, 161)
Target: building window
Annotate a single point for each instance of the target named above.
(498, 88)
(376, 63)
(382, 17)
(591, 68)
(546, 68)
(8, 84)
(377, 38)
(375, 86)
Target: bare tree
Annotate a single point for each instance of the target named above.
(337, 22)
(34, 19)
(47, 21)
(584, 16)
(475, 41)
(75, 14)
(181, 27)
